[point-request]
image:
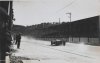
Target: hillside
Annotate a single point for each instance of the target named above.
(81, 28)
(42, 31)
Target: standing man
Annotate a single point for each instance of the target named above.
(18, 40)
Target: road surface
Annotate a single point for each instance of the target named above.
(42, 52)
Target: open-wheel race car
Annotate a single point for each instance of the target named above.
(58, 42)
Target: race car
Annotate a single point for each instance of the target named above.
(57, 42)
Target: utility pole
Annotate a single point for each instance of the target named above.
(70, 32)
(59, 20)
(69, 15)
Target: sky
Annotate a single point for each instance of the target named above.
(30, 12)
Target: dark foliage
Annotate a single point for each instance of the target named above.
(80, 28)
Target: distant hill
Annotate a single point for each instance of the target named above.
(82, 28)
(42, 30)
(18, 28)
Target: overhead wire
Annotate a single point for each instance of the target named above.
(62, 7)
(66, 6)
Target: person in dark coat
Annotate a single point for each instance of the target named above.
(18, 40)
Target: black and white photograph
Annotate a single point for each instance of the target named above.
(49, 31)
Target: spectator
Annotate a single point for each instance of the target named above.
(18, 40)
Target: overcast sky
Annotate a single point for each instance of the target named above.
(30, 12)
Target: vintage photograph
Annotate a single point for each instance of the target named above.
(49, 31)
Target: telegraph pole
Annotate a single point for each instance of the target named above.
(59, 20)
(69, 26)
(69, 15)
